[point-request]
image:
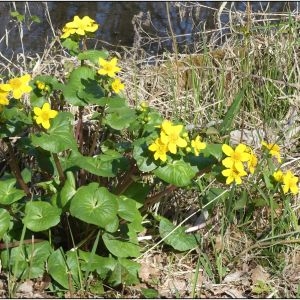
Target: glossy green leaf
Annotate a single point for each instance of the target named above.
(120, 118)
(68, 190)
(176, 172)
(93, 55)
(59, 136)
(40, 215)
(128, 210)
(82, 87)
(120, 248)
(178, 239)
(143, 160)
(4, 221)
(93, 165)
(94, 205)
(8, 193)
(214, 150)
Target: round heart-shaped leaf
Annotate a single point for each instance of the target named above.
(94, 205)
(177, 172)
(40, 215)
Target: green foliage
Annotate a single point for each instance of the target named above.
(97, 167)
(175, 236)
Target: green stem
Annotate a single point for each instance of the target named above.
(60, 171)
(12, 161)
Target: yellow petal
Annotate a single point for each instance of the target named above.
(227, 150)
(46, 124)
(37, 111)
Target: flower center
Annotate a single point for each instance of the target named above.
(45, 115)
(15, 83)
(236, 156)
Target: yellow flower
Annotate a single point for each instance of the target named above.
(117, 85)
(109, 68)
(274, 150)
(170, 136)
(40, 85)
(235, 157)
(233, 175)
(79, 26)
(252, 162)
(290, 183)
(44, 114)
(3, 98)
(18, 86)
(278, 176)
(144, 106)
(160, 150)
(197, 145)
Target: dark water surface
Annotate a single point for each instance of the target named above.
(115, 19)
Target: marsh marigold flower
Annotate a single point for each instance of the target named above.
(290, 183)
(117, 85)
(160, 150)
(18, 86)
(170, 136)
(197, 145)
(44, 114)
(3, 98)
(236, 156)
(79, 26)
(252, 162)
(233, 175)
(274, 150)
(278, 175)
(108, 68)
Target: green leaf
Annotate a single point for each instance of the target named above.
(35, 19)
(128, 210)
(63, 268)
(49, 80)
(103, 265)
(138, 191)
(142, 157)
(59, 136)
(120, 248)
(99, 165)
(4, 221)
(125, 272)
(176, 172)
(68, 190)
(94, 205)
(93, 55)
(178, 239)
(31, 260)
(40, 215)
(71, 45)
(8, 193)
(112, 102)
(212, 194)
(200, 162)
(120, 118)
(232, 112)
(214, 150)
(150, 293)
(82, 87)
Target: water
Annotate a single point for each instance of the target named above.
(115, 19)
